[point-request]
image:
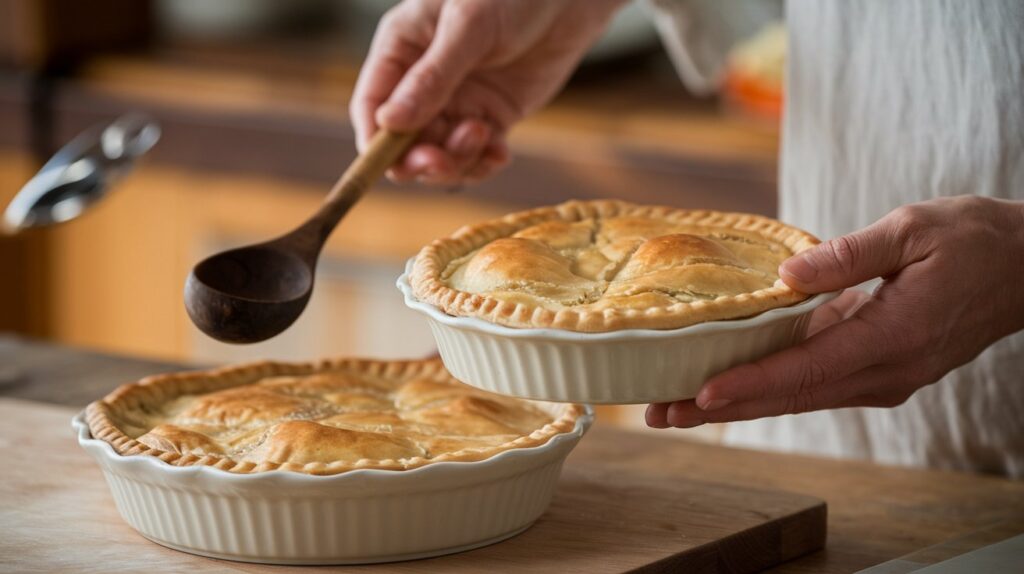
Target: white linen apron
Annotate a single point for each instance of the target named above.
(890, 103)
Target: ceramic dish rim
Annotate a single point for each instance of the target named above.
(479, 325)
(152, 463)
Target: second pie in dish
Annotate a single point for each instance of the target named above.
(596, 266)
(325, 419)
(336, 462)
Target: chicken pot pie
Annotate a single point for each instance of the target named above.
(325, 418)
(594, 266)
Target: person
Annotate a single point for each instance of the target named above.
(903, 142)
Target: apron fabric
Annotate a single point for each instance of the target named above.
(890, 103)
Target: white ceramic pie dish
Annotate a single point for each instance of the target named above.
(630, 366)
(360, 516)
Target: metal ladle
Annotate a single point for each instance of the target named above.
(81, 173)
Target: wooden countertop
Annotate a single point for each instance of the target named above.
(876, 513)
(602, 519)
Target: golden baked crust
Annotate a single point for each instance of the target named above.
(595, 266)
(323, 418)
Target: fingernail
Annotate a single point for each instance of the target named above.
(714, 404)
(801, 267)
(431, 176)
(469, 144)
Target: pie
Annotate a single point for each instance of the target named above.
(325, 418)
(594, 266)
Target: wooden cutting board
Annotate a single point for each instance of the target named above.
(57, 515)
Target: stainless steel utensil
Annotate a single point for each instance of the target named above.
(81, 173)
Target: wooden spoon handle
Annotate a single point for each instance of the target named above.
(384, 150)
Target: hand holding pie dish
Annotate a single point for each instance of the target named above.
(608, 302)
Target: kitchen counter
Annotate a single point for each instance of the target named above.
(876, 513)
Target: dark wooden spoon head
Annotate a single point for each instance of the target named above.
(249, 294)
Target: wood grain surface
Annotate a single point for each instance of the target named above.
(58, 516)
(875, 513)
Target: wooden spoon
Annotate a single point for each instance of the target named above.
(252, 293)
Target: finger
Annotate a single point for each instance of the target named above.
(833, 353)
(458, 44)
(497, 153)
(656, 415)
(390, 56)
(869, 387)
(494, 158)
(372, 89)
(398, 175)
(467, 145)
(447, 163)
(836, 310)
(878, 250)
(416, 166)
(684, 414)
(436, 131)
(482, 170)
(424, 160)
(406, 169)
(884, 400)
(467, 141)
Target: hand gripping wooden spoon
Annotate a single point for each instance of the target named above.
(252, 293)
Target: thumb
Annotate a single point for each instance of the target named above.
(878, 250)
(458, 44)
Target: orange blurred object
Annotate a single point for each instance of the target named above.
(753, 94)
(755, 75)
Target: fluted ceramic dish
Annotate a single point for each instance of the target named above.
(360, 516)
(630, 366)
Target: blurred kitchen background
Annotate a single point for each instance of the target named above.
(252, 98)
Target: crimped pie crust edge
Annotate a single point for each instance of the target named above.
(432, 260)
(157, 389)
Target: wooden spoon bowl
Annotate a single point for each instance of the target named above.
(250, 294)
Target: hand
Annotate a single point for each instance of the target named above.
(464, 71)
(952, 271)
